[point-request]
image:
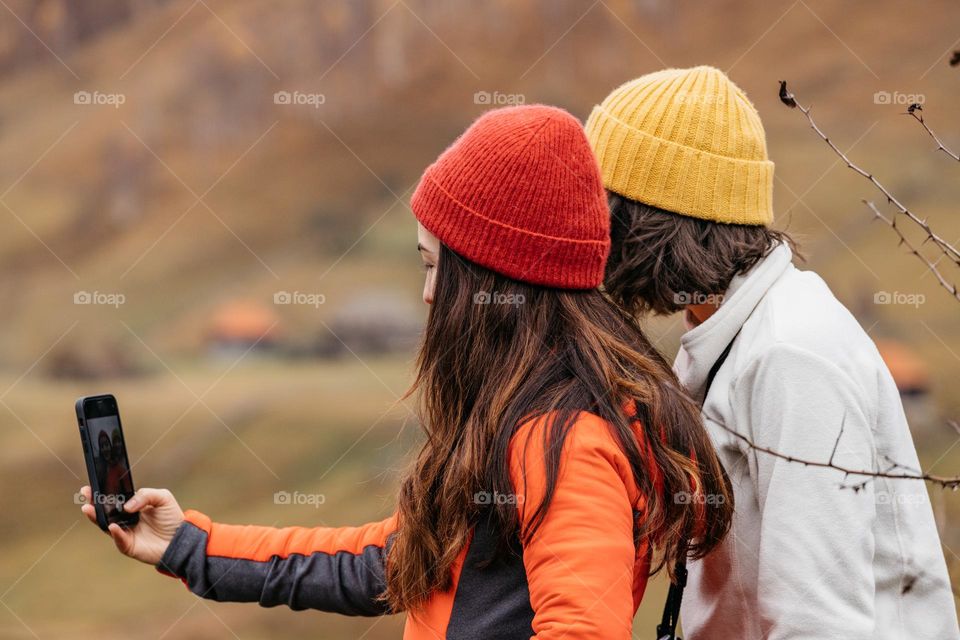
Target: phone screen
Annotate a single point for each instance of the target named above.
(114, 483)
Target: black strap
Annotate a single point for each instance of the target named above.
(716, 368)
(667, 629)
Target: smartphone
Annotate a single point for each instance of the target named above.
(106, 454)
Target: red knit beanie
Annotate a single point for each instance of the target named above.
(520, 193)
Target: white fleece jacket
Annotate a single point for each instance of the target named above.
(807, 559)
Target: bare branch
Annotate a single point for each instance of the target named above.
(894, 472)
(913, 113)
(839, 435)
(952, 288)
(942, 245)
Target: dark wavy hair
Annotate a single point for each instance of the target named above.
(661, 261)
(498, 352)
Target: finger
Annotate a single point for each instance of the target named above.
(89, 511)
(87, 494)
(147, 498)
(122, 538)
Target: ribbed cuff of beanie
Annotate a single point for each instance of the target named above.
(679, 178)
(537, 258)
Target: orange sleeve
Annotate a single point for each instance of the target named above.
(580, 562)
(258, 543)
(340, 570)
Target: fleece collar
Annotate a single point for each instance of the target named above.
(701, 346)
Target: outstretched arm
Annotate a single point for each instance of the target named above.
(341, 570)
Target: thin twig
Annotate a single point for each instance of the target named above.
(940, 145)
(952, 288)
(839, 435)
(947, 249)
(947, 482)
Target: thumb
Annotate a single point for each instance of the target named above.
(147, 498)
(122, 538)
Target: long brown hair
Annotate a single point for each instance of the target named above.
(497, 352)
(661, 261)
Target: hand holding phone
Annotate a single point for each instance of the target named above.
(141, 523)
(159, 518)
(105, 452)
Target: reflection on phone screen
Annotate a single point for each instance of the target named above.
(110, 463)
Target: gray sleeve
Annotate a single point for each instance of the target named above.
(345, 582)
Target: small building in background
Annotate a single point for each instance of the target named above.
(238, 326)
(372, 322)
(913, 380)
(91, 359)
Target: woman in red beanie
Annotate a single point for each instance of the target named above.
(561, 460)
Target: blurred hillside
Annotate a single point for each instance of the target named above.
(190, 182)
(200, 172)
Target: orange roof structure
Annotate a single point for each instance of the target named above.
(909, 371)
(242, 321)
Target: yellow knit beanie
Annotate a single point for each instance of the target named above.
(687, 141)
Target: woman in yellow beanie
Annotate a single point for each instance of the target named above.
(684, 160)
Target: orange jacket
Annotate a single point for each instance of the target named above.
(579, 577)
